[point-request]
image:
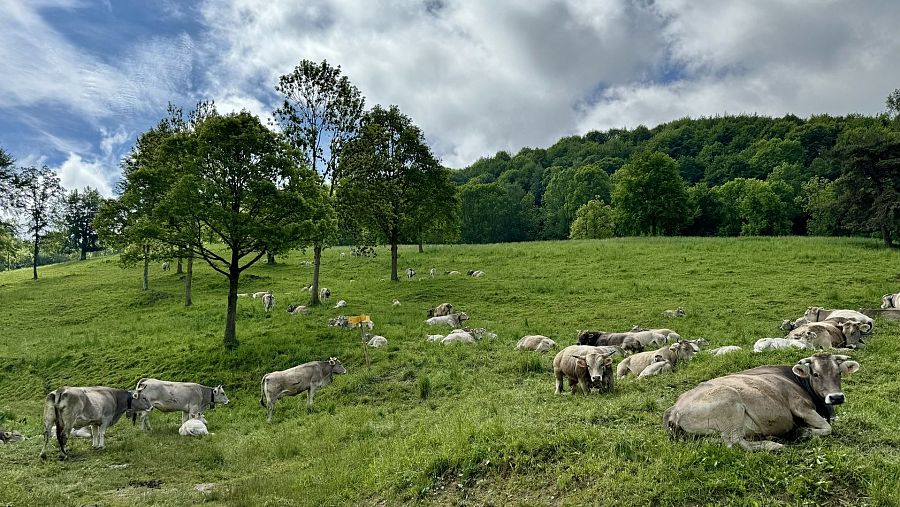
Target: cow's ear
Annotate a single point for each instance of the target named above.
(849, 367)
(864, 327)
(801, 370)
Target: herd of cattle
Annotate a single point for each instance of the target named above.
(745, 408)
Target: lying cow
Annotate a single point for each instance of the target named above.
(340, 321)
(584, 367)
(537, 343)
(625, 340)
(476, 273)
(76, 407)
(434, 337)
(440, 310)
(187, 397)
(194, 427)
(308, 377)
(678, 312)
(452, 320)
(674, 353)
(10, 437)
(828, 334)
(659, 365)
(890, 301)
(671, 336)
(458, 336)
(376, 341)
(340, 304)
(721, 351)
(816, 314)
(783, 343)
(297, 310)
(768, 401)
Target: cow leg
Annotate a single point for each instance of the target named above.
(816, 424)
(145, 420)
(585, 386)
(46, 439)
(101, 434)
(748, 445)
(309, 397)
(270, 409)
(184, 417)
(95, 436)
(559, 383)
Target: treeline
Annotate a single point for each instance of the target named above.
(722, 176)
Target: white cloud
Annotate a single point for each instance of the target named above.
(76, 173)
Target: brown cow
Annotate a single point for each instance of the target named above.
(584, 367)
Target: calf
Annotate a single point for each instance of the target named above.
(75, 407)
(376, 341)
(721, 351)
(536, 343)
(340, 304)
(636, 363)
(584, 367)
(452, 320)
(10, 437)
(186, 397)
(678, 312)
(780, 343)
(659, 365)
(308, 377)
(194, 427)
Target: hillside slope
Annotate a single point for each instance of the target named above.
(429, 424)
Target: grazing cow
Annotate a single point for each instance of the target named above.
(297, 309)
(376, 341)
(659, 365)
(816, 314)
(432, 272)
(537, 343)
(671, 336)
(324, 294)
(782, 343)
(452, 272)
(768, 401)
(268, 302)
(890, 301)
(308, 377)
(340, 304)
(452, 320)
(410, 273)
(625, 340)
(186, 397)
(678, 312)
(635, 363)
(828, 334)
(194, 427)
(584, 367)
(10, 437)
(76, 407)
(395, 302)
(721, 351)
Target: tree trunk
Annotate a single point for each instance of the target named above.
(230, 340)
(179, 270)
(420, 246)
(83, 252)
(885, 235)
(394, 277)
(317, 260)
(188, 281)
(270, 258)
(35, 258)
(146, 267)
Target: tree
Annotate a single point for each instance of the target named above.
(751, 207)
(81, 209)
(650, 195)
(893, 103)
(567, 191)
(495, 213)
(38, 197)
(706, 211)
(817, 198)
(593, 220)
(390, 180)
(244, 184)
(6, 188)
(320, 113)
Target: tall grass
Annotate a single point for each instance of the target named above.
(432, 424)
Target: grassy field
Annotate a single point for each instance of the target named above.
(455, 425)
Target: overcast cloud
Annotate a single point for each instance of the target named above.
(83, 79)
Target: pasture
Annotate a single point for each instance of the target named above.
(447, 425)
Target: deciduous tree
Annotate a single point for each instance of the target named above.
(81, 209)
(37, 196)
(650, 195)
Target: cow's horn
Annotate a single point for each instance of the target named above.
(840, 358)
(805, 360)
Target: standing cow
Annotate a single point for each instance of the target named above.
(584, 367)
(76, 407)
(309, 377)
(187, 397)
(768, 401)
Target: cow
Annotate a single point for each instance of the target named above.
(584, 367)
(625, 340)
(440, 310)
(376, 341)
(194, 427)
(478, 332)
(678, 312)
(671, 336)
(816, 314)
(537, 343)
(659, 365)
(476, 273)
(308, 377)
(187, 397)
(297, 309)
(767, 401)
(451, 273)
(432, 272)
(257, 295)
(828, 334)
(68, 408)
(340, 321)
(268, 302)
(458, 336)
(395, 302)
(324, 294)
(10, 437)
(890, 301)
(635, 363)
(434, 337)
(410, 273)
(764, 344)
(166, 266)
(340, 304)
(452, 320)
(721, 351)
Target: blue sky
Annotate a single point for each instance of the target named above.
(83, 78)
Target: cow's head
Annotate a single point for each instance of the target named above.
(9, 437)
(787, 325)
(812, 313)
(637, 328)
(853, 332)
(632, 344)
(336, 366)
(462, 316)
(219, 397)
(887, 301)
(679, 311)
(658, 358)
(599, 366)
(823, 372)
(684, 350)
(137, 403)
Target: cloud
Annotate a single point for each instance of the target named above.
(77, 173)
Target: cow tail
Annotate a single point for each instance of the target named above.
(262, 388)
(60, 430)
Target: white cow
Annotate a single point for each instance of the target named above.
(376, 341)
(410, 273)
(721, 351)
(780, 343)
(432, 272)
(194, 427)
(537, 343)
(268, 301)
(452, 320)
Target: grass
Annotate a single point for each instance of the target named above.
(447, 425)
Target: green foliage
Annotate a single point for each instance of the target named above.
(751, 207)
(767, 154)
(650, 195)
(37, 199)
(567, 191)
(706, 211)
(81, 209)
(494, 213)
(817, 198)
(593, 220)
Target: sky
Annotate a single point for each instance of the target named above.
(81, 79)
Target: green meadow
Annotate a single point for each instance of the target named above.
(429, 424)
